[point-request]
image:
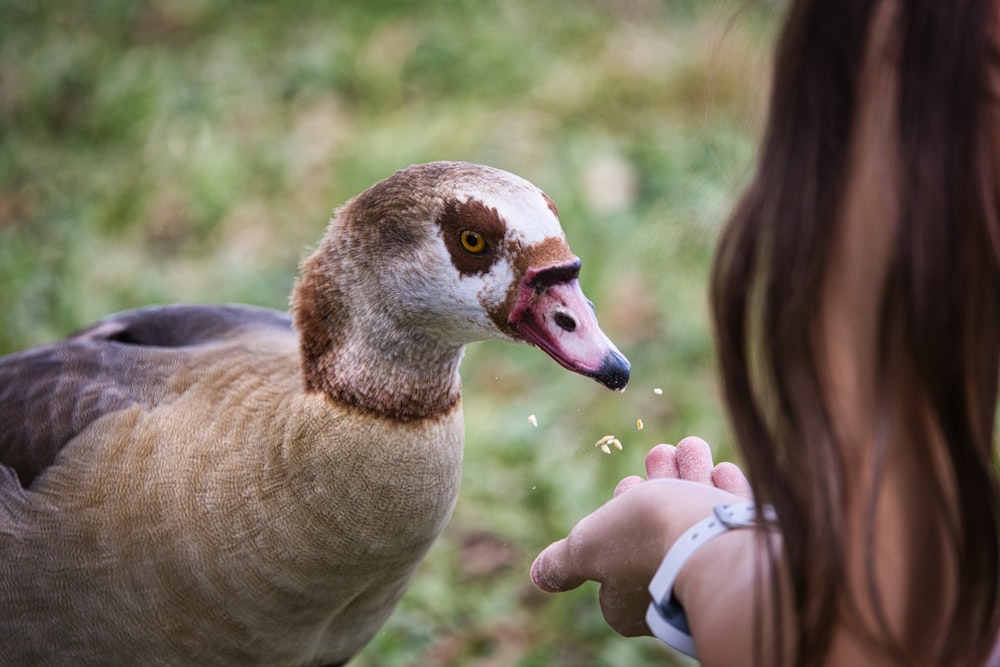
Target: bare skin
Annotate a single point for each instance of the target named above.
(621, 544)
(691, 459)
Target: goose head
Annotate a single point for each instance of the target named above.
(441, 255)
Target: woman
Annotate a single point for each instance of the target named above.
(856, 302)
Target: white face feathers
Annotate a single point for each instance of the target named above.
(451, 253)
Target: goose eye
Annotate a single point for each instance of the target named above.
(473, 242)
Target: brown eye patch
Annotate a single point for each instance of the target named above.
(472, 233)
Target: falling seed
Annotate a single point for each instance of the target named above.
(658, 391)
(606, 440)
(638, 424)
(533, 420)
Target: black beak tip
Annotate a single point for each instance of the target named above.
(614, 372)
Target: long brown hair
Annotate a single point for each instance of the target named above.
(939, 309)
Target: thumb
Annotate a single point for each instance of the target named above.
(551, 571)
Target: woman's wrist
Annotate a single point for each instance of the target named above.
(723, 585)
(690, 559)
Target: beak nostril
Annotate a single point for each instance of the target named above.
(565, 322)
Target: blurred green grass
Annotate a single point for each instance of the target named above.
(192, 150)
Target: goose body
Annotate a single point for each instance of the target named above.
(230, 485)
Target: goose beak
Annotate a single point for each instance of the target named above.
(553, 314)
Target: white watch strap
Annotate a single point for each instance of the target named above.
(665, 616)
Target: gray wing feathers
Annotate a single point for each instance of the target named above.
(50, 393)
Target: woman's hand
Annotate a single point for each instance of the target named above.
(621, 544)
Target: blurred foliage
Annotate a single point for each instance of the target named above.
(192, 150)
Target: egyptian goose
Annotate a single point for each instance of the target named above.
(207, 485)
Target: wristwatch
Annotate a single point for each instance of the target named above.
(665, 615)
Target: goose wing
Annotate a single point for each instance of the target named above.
(51, 393)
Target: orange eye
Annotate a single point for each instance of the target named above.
(473, 242)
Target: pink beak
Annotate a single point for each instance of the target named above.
(553, 314)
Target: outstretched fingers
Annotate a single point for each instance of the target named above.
(728, 477)
(694, 460)
(690, 460)
(627, 483)
(570, 562)
(661, 463)
(595, 545)
(621, 544)
(549, 573)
